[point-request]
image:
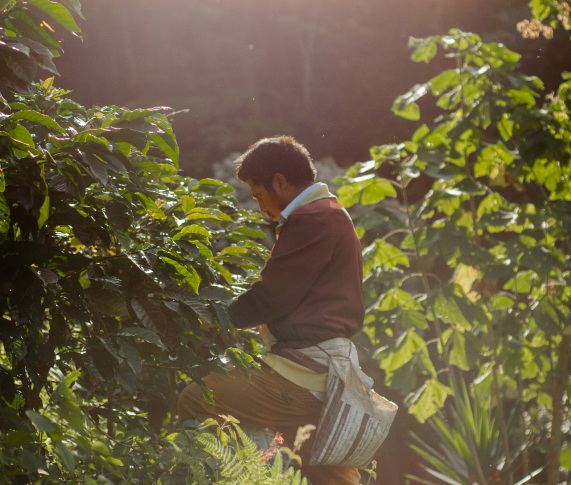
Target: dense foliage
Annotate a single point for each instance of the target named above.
(114, 275)
(115, 271)
(472, 283)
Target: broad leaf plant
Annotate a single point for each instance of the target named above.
(472, 280)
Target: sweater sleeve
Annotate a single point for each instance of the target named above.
(303, 249)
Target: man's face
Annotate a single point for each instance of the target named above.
(270, 202)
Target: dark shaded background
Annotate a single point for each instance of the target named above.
(325, 71)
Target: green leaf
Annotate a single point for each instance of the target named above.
(186, 275)
(565, 458)
(505, 127)
(58, 12)
(132, 355)
(523, 96)
(540, 9)
(409, 111)
(194, 230)
(548, 315)
(168, 145)
(106, 301)
(43, 424)
(412, 319)
(188, 203)
(425, 49)
(33, 27)
(408, 345)
(89, 480)
(237, 250)
(36, 117)
(440, 83)
(126, 377)
(445, 307)
(151, 207)
(383, 254)
(4, 215)
(143, 334)
(521, 283)
(44, 210)
(22, 135)
(101, 448)
(458, 353)
(68, 405)
(74, 5)
(392, 299)
(30, 461)
(66, 456)
(241, 360)
(377, 190)
(429, 399)
(97, 166)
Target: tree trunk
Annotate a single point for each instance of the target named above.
(557, 393)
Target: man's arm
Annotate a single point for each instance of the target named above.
(304, 248)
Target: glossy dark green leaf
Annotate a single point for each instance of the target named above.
(48, 277)
(132, 355)
(106, 301)
(66, 456)
(35, 117)
(30, 461)
(143, 334)
(43, 423)
(118, 215)
(23, 67)
(147, 313)
(126, 377)
(58, 12)
(31, 26)
(74, 5)
(97, 167)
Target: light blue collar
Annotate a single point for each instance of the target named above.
(295, 203)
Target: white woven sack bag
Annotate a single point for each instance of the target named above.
(354, 419)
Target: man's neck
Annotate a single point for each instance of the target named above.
(293, 191)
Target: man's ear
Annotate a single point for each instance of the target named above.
(279, 183)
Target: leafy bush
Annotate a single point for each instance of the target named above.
(115, 271)
(475, 278)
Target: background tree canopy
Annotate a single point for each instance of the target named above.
(325, 71)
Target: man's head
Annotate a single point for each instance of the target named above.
(277, 170)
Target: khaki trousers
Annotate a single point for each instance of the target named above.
(267, 400)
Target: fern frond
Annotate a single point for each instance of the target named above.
(247, 444)
(278, 466)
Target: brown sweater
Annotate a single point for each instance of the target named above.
(310, 288)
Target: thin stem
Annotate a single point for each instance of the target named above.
(172, 398)
(416, 275)
(451, 373)
(525, 452)
(396, 231)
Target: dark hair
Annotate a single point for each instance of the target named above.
(280, 154)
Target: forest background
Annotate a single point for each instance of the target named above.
(326, 71)
(118, 220)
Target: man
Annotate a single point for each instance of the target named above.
(309, 292)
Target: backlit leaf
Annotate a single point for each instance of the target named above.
(428, 399)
